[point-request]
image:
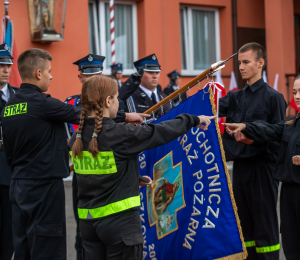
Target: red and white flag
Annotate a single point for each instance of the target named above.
(292, 104)
(276, 82)
(233, 84)
(264, 76)
(219, 91)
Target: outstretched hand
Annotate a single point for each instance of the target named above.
(205, 121)
(135, 118)
(296, 160)
(234, 128)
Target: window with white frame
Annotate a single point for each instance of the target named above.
(200, 44)
(126, 50)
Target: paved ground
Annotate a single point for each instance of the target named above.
(71, 224)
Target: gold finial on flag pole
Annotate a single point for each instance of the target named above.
(6, 3)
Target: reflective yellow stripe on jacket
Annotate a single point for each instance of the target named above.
(264, 249)
(109, 209)
(103, 163)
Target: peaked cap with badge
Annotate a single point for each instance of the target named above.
(149, 63)
(174, 75)
(5, 57)
(117, 67)
(90, 64)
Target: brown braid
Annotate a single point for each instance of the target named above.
(93, 146)
(78, 145)
(95, 90)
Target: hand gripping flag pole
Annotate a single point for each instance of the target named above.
(205, 74)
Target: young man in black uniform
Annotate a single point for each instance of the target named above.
(36, 148)
(6, 92)
(173, 86)
(89, 66)
(117, 73)
(146, 94)
(254, 188)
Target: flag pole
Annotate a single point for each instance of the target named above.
(213, 68)
(112, 31)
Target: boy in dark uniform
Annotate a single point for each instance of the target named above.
(254, 188)
(6, 92)
(117, 73)
(146, 94)
(173, 86)
(36, 149)
(88, 66)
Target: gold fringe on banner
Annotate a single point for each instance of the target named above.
(244, 254)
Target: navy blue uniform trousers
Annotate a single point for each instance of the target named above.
(256, 194)
(6, 240)
(290, 219)
(39, 221)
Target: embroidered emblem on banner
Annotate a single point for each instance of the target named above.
(165, 197)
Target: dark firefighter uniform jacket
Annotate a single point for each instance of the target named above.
(139, 102)
(252, 103)
(34, 136)
(289, 138)
(109, 183)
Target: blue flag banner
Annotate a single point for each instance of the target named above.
(189, 212)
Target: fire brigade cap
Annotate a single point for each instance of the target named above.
(90, 64)
(149, 63)
(5, 57)
(174, 75)
(117, 67)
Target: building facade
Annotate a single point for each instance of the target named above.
(187, 35)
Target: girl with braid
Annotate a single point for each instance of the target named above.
(104, 154)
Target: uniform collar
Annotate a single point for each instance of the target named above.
(30, 86)
(149, 93)
(256, 85)
(5, 90)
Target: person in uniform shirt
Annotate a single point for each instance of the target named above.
(173, 86)
(254, 188)
(89, 66)
(117, 73)
(6, 92)
(146, 94)
(36, 149)
(286, 170)
(108, 186)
